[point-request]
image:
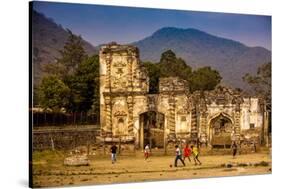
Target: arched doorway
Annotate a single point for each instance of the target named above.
(152, 129)
(220, 131)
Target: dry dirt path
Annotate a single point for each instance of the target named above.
(136, 169)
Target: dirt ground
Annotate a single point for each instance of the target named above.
(48, 169)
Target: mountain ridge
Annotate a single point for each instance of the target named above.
(198, 48)
(231, 58)
(48, 38)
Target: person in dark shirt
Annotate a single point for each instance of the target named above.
(234, 149)
(113, 150)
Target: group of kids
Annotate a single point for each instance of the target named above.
(186, 152)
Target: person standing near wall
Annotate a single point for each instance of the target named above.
(113, 150)
(234, 149)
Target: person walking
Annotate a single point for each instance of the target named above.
(195, 154)
(178, 156)
(146, 152)
(113, 150)
(234, 149)
(187, 152)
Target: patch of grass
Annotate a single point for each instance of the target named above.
(48, 155)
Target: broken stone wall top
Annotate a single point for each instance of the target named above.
(172, 84)
(117, 48)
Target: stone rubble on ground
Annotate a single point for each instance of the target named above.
(77, 160)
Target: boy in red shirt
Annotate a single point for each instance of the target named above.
(187, 153)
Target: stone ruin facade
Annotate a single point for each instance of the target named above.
(129, 114)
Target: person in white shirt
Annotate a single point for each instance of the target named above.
(146, 152)
(178, 156)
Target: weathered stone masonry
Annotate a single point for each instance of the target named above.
(215, 118)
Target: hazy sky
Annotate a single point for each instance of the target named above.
(102, 24)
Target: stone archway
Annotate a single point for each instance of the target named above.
(152, 125)
(220, 131)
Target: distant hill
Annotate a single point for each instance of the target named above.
(231, 58)
(47, 39)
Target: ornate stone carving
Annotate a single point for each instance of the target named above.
(120, 113)
(119, 64)
(127, 78)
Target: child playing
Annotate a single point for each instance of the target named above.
(195, 154)
(178, 156)
(187, 153)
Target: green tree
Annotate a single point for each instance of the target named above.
(71, 56)
(153, 71)
(79, 73)
(204, 78)
(261, 82)
(53, 93)
(72, 53)
(84, 86)
(171, 66)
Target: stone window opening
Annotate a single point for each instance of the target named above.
(252, 126)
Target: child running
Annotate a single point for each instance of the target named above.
(187, 153)
(195, 154)
(178, 156)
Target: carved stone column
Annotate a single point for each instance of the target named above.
(108, 71)
(237, 125)
(108, 110)
(172, 121)
(130, 73)
(194, 124)
(130, 116)
(203, 126)
(203, 121)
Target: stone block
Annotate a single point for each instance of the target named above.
(77, 160)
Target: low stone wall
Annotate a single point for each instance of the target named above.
(87, 138)
(64, 138)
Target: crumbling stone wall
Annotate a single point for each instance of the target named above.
(188, 117)
(64, 139)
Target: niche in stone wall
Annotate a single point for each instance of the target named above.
(120, 113)
(120, 125)
(182, 126)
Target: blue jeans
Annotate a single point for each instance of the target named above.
(113, 157)
(178, 157)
